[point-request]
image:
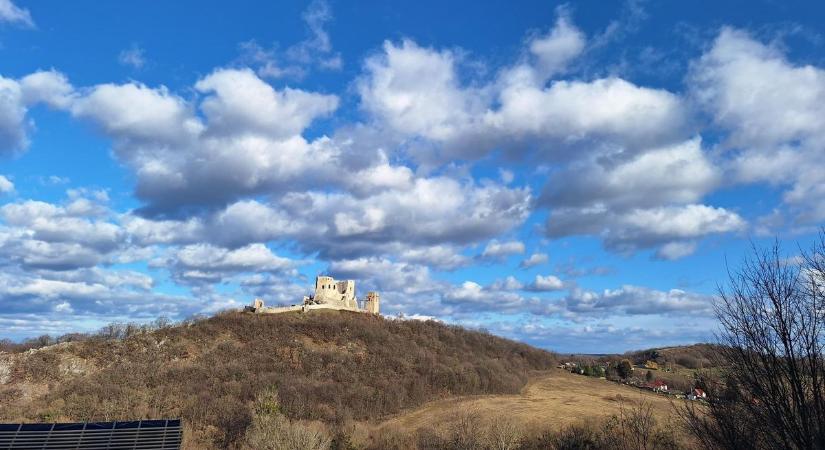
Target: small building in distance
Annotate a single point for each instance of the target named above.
(329, 294)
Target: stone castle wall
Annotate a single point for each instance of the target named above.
(329, 294)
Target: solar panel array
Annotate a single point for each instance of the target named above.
(135, 435)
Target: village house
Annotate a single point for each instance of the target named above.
(696, 394)
(657, 386)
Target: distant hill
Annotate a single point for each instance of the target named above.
(332, 367)
(694, 356)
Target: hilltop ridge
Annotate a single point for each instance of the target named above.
(328, 366)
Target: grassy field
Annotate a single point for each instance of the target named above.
(552, 400)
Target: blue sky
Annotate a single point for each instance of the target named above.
(573, 175)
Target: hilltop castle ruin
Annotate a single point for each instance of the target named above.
(329, 294)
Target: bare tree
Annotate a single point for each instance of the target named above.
(772, 390)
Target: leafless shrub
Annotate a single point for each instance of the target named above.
(504, 433)
(270, 430)
(276, 432)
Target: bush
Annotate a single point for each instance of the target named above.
(276, 432)
(624, 369)
(335, 367)
(270, 430)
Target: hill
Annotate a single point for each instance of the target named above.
(331, 367)
(696, 356)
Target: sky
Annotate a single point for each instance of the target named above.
(578, 176)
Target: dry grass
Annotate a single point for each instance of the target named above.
(554, 400)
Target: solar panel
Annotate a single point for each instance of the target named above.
(134, 434)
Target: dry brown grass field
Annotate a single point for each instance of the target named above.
(553, 400)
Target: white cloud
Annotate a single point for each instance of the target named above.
(679, 173)
(635, 300)
(508, 284)
(676, 250)
(11, 13)
(240, 102)
(546, 283)
(49, 87)
(250, 141)
(200, 263)
(645, 201)
(318, 46)
(418, 94)
(438, 256)
(416, 91)
(297, 60)
(386, 275)
(41, 235)
(471, 295)
(536, 259)
(557, 48)
(774, 114)
(6, 186)
(12, 118)
(496, 249)
(571, 112)
(133, 56)
(644, 228)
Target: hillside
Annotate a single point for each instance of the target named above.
(554, 400)
(696, 356)
(332, 367)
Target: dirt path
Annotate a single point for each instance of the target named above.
(553, 400)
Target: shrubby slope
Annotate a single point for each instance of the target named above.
(331, 367)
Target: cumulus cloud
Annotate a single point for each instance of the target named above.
(417, 93)
(646, 201)
(645, 228)
(386, 275)
(546, 283)
(557, 48)
(773, 113)
(6, 186)
(536, 259)
(204, 263)
(250, 139)
(42, 235)
(508, 284)
(17, 96)
(471, 295)
(11, 13)
(12, 117)
(497, 249)
(679, 173)
(437, 210)
(635, 300)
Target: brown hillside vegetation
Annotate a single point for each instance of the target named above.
(695, 356)
(332, 367)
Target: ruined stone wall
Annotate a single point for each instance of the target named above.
(329, 294)
(340, 293)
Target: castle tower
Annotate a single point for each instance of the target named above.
(337, 293)
(371, 304)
